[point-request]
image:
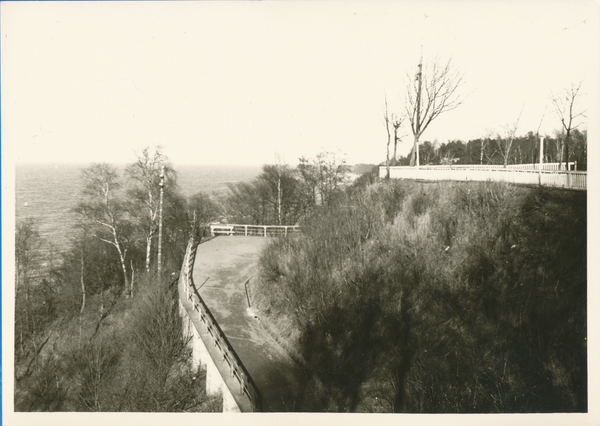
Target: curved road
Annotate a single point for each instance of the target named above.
(223, 265)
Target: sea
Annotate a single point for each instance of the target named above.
(48, 192)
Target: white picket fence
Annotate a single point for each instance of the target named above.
(514, 174)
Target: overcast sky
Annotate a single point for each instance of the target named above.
(249, 82)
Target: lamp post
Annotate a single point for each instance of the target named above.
(160, 220)
(541, 151)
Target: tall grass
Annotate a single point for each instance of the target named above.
(437, 297)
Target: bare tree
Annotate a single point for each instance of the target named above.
(485, 141)
(387, 120)
(396, 123)
(310, 178)
(101, 207)
(323, 176)
(279, 178)
(332, 171)
(505, 141)
(28, 245)
(431, 92)
(564, 107)
(145, 192)
(201, 210)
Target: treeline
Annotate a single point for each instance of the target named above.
(282, 195)
(436, 298)
(500, 150)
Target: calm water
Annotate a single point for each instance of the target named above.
(49, 192)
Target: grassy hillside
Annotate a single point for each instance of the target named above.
(437, 297)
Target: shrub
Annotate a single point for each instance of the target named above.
(47, 389)
(444, 297)
(96, 363)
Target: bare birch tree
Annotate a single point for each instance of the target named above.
(430, 93)
(564, 107)
(101, 207)
(277, 176)
(145, 191)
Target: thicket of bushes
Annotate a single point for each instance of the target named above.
(437, 297)
(136, 360)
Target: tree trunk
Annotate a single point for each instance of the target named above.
(481, 153)
(387, 129)
(418, 122)
(279, 201)
(507, 153)
(82, 285)
(387, 158)
(567, 136)
(132, 278)
(148, 251)
(414, 158)
(122, 259)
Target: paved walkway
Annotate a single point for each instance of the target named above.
(223, 265)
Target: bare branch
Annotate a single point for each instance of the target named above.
(564, 108)
(432, 92)
(387, 128)
(505, 143)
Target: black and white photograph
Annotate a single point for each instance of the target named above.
(311, 211)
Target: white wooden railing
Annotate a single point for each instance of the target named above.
(253, 230)
(512, 174)
(572, 165)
